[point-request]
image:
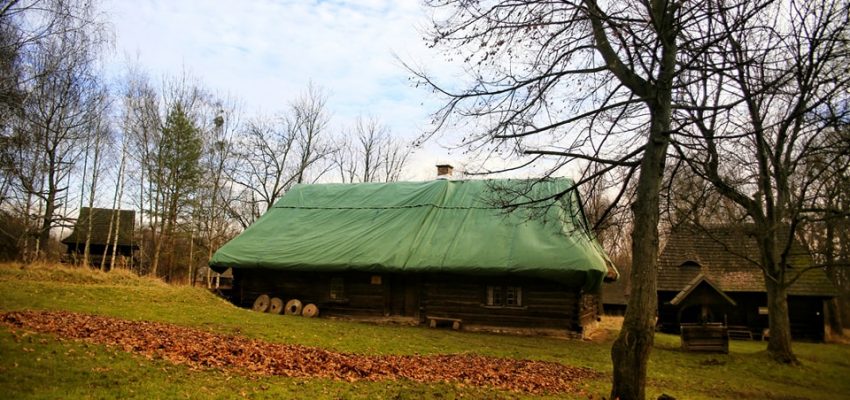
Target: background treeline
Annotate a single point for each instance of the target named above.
(197, 170)
(182, 156)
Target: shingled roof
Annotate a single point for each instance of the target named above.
(100, 223)
(726, 254)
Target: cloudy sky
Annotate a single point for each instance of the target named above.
(264, 52)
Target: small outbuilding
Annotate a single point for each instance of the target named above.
(615, 296)
(103, 223)
(433, 253)
(707, 275)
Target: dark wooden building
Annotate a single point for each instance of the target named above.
(434, 253)
(101, 240)
(707, 275)
(615, 295)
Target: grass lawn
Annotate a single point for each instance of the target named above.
(44, 366)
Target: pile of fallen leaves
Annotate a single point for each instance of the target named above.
(202, 349)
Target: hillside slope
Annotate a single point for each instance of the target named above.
(47, 366)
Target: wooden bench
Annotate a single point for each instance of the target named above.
(740, 332)
(705, 337)
(433, 321)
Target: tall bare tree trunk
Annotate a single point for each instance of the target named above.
(141, 242)
(172, 223)
(93, 190)
(779, 343)
(119, 194)
(630, 351)
(112, 217)
(833, 311)
(157, 237)
(192, 256)
(47, 214)
(26, 239)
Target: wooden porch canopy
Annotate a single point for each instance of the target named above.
(702, 290)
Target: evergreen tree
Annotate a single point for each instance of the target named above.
(177, 173)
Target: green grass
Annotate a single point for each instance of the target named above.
(42, 366)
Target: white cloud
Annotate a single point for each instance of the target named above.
(265, 52)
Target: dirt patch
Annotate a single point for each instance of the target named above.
(605, 330)
(202, 349)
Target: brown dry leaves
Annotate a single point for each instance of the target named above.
(202, 349)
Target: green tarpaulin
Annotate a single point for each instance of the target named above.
(439, 226)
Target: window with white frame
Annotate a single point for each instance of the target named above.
(504, 296)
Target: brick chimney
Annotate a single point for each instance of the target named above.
(444, 171)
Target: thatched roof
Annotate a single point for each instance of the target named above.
(100, 224)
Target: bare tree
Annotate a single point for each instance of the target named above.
(309, 121)
(369, 153)
(52, 99)
(140, 118)
(266, 165)
(782, 85)
(215, 193)
(63, 106)
(689, 199)
(579, 83)
(25, 25)
(117, 200)
(101, 141)
(826, 231)
(272, 154)
(165, 129)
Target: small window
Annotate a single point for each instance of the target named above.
(513, 296)
(504, 296)
(689, 264)
(494, 296)
(337, 288)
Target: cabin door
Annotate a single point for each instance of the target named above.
(403, 296)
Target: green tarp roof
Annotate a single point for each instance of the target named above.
(439, 226)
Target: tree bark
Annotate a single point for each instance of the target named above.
(779, 344)
(92, 192)
(833, 310)
(630, 351)
(47, 215)
(833, 314)
(119, 194)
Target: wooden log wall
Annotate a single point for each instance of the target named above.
(544, 304)
(360, 296)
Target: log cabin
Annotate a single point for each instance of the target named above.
(709, 275)
(104, 223)
(438, 253)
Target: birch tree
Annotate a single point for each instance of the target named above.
(50, 48)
